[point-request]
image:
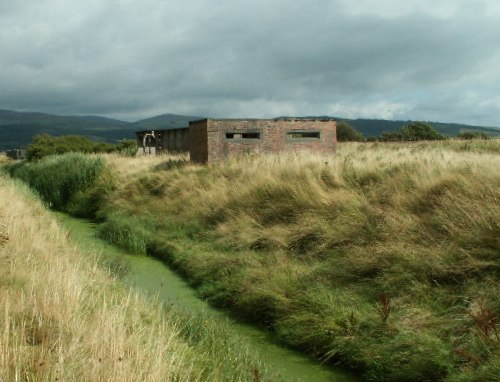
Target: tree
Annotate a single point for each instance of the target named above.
(473, 135)
(346, 133)
(414, 131)
(45, 144)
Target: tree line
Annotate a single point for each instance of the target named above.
(414, 131)
(44, 145)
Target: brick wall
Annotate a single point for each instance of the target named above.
(198, 141)
(273, 137)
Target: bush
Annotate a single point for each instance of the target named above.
(346, 133)
(44, 145)
(414, 131)
(73, 182)
(473, 135)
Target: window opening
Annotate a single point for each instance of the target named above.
(243, 135)
(303, 135)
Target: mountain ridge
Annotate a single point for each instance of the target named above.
(17, 128)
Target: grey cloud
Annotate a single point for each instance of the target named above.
(222, 58)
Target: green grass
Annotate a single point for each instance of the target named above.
(383, 258)
(75, 183)
(64, 316)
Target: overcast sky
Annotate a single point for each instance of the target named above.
(411, 59)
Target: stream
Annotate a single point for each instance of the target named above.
(152, 276)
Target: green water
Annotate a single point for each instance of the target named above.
(154, 277)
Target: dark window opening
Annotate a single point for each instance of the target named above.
(243, 135)
(303, 134)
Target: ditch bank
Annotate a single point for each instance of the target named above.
(147, 274)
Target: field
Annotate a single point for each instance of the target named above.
(384, 258)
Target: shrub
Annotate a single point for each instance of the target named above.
(44, 145)
(347, 133)
(473, 135)
(414, 131)
(73, 182)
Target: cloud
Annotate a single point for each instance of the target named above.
(364, 58)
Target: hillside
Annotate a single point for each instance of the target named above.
(18, 128)
(164, 121)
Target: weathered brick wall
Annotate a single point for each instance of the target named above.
(273, 137)
(175, 140)
(198, 139)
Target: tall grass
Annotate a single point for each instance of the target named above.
(378, 257)
(4, 159)
(73, 182)
(62, 318)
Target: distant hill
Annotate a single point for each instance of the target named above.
(18, 128)
(164, 121)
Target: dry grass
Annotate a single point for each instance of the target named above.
(4, 159)
(318, 246)
(127, 167)
(62, 318)
(376, 257)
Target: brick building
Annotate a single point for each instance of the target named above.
(212, 140)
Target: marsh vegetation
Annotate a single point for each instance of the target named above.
(383, 258)
(64, 315)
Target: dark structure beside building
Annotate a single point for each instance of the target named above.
(158, 141)
(212, 140)
(16, 154)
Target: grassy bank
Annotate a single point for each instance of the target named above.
(64, 317)
(75, 182)
(382, 257)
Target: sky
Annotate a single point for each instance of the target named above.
(128, 59)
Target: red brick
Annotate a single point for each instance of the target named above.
(208, 142)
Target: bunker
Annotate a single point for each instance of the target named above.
(213, 140)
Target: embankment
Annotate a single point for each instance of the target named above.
(64, 316)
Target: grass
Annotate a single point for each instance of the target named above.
(72, 182)
(374, 257)
(4, 159)
(383, 257)
(63, 317)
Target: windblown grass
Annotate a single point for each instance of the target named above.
(73, 182)
(63, 318)
(4, 159)
(382, 257)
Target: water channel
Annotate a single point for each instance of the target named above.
(152, 276)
